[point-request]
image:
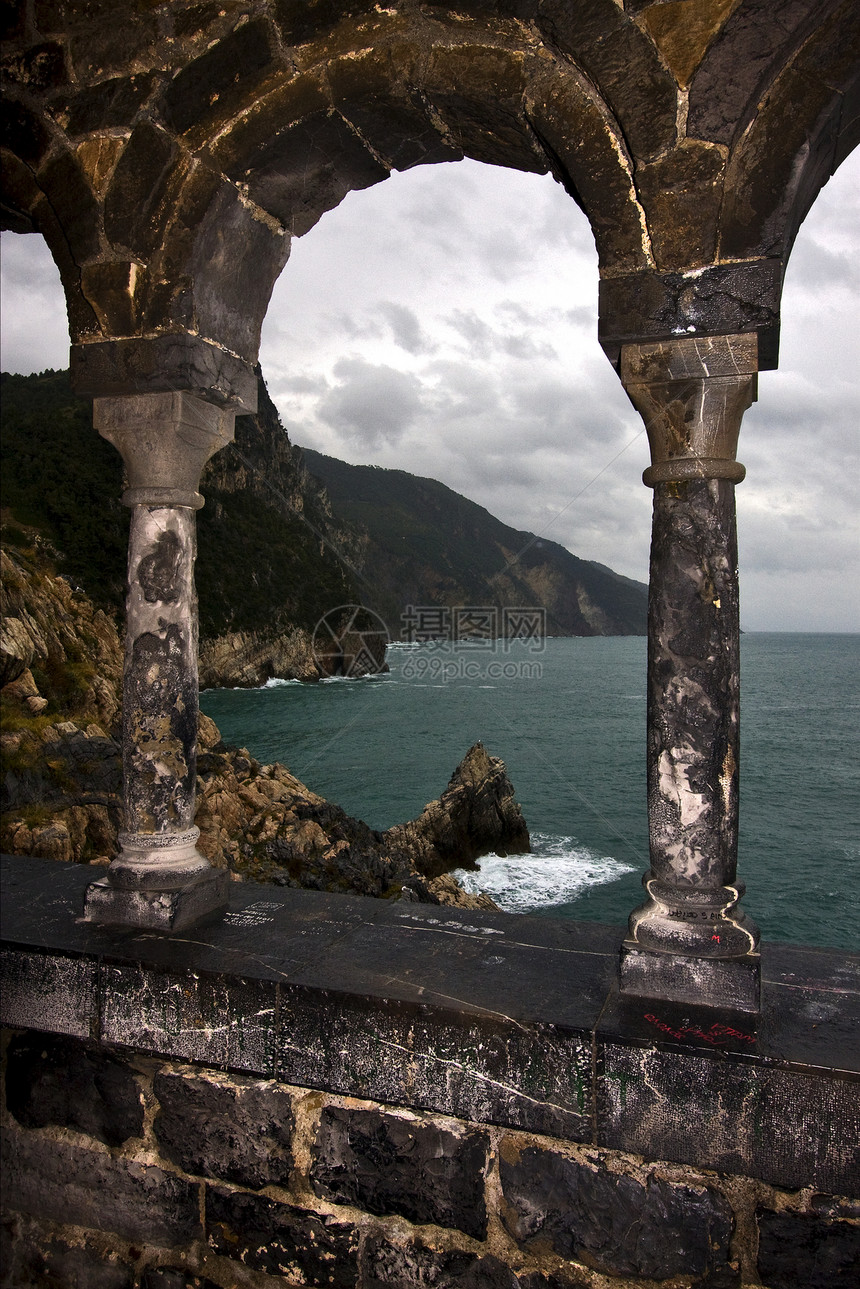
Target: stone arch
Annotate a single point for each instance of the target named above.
(785, 156)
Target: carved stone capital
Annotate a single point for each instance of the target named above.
(692, 394)
(165, 439)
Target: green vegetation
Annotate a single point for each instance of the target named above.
(61, 478)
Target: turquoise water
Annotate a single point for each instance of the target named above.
(569, 723)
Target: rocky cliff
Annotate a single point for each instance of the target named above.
(61, 664)
(280, 548)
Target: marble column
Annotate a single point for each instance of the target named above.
(159, 880)
(690, 940)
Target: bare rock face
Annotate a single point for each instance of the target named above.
(62, 776)
(70, 649)
(243, 659)
(476, 815)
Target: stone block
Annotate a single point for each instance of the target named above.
(726, 299)
(235, 1129)
(405, 1164)
(739, 62)
(107, 105)
(375, 90)
(478, 91)
(59, 1182)
(159, 364)
(65, 1082)
(99, 45)
(33, 1259)
(281, 1239)
(472, 1067)
(220, 82)
(48, 992)
(395, 1266)
(308, 169)
(623, 62)
(302, 20)
(807, 1249)
(229, 1023)
(142, 190)
(779, 1125)
(681, 194)
(613, 1222)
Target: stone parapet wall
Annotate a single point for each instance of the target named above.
(328, 1090)
(125, 1170)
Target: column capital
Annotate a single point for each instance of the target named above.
(692, 393)
(165, 439)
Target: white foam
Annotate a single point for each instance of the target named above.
(275, 682)
(557, 872)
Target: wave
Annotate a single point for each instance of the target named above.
(557, 872)
(276, 682)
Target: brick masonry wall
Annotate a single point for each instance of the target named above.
(126, 1172)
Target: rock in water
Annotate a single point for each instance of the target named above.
(62, 774)
(476, 815)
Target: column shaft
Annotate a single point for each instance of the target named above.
(690, 941)
(159, 880)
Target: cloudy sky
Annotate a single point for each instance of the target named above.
(445, 323)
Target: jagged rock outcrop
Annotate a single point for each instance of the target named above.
(52, 633)
(62, 775)
(244, 659)
(475, 815)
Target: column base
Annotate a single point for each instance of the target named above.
(203, 899)
(732, 984)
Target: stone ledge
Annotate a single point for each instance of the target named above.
(484, 1016)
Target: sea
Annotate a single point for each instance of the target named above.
(567, 716)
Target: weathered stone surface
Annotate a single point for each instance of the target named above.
(308, 169)
(681, 194)
(235, 1129)
(614, 1222)
(55, 1080)
(725, 299)
(215, 86)
(478, 91)
(69, 1184)
(158, 364)
(282, 1239)
(807, 1249)
(301, 20)
(104, 106)
(35, 1259)
(143, 189)
(388, 1163)
(376, 91)
(683, 33)
(660, 1103)
(754, 39)
(623, 61)
(199, 1018)
(49, 992)
(394, 1266)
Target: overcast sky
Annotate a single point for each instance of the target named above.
(445, 323)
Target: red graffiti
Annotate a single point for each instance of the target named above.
(716, 937)
(716, 1035)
